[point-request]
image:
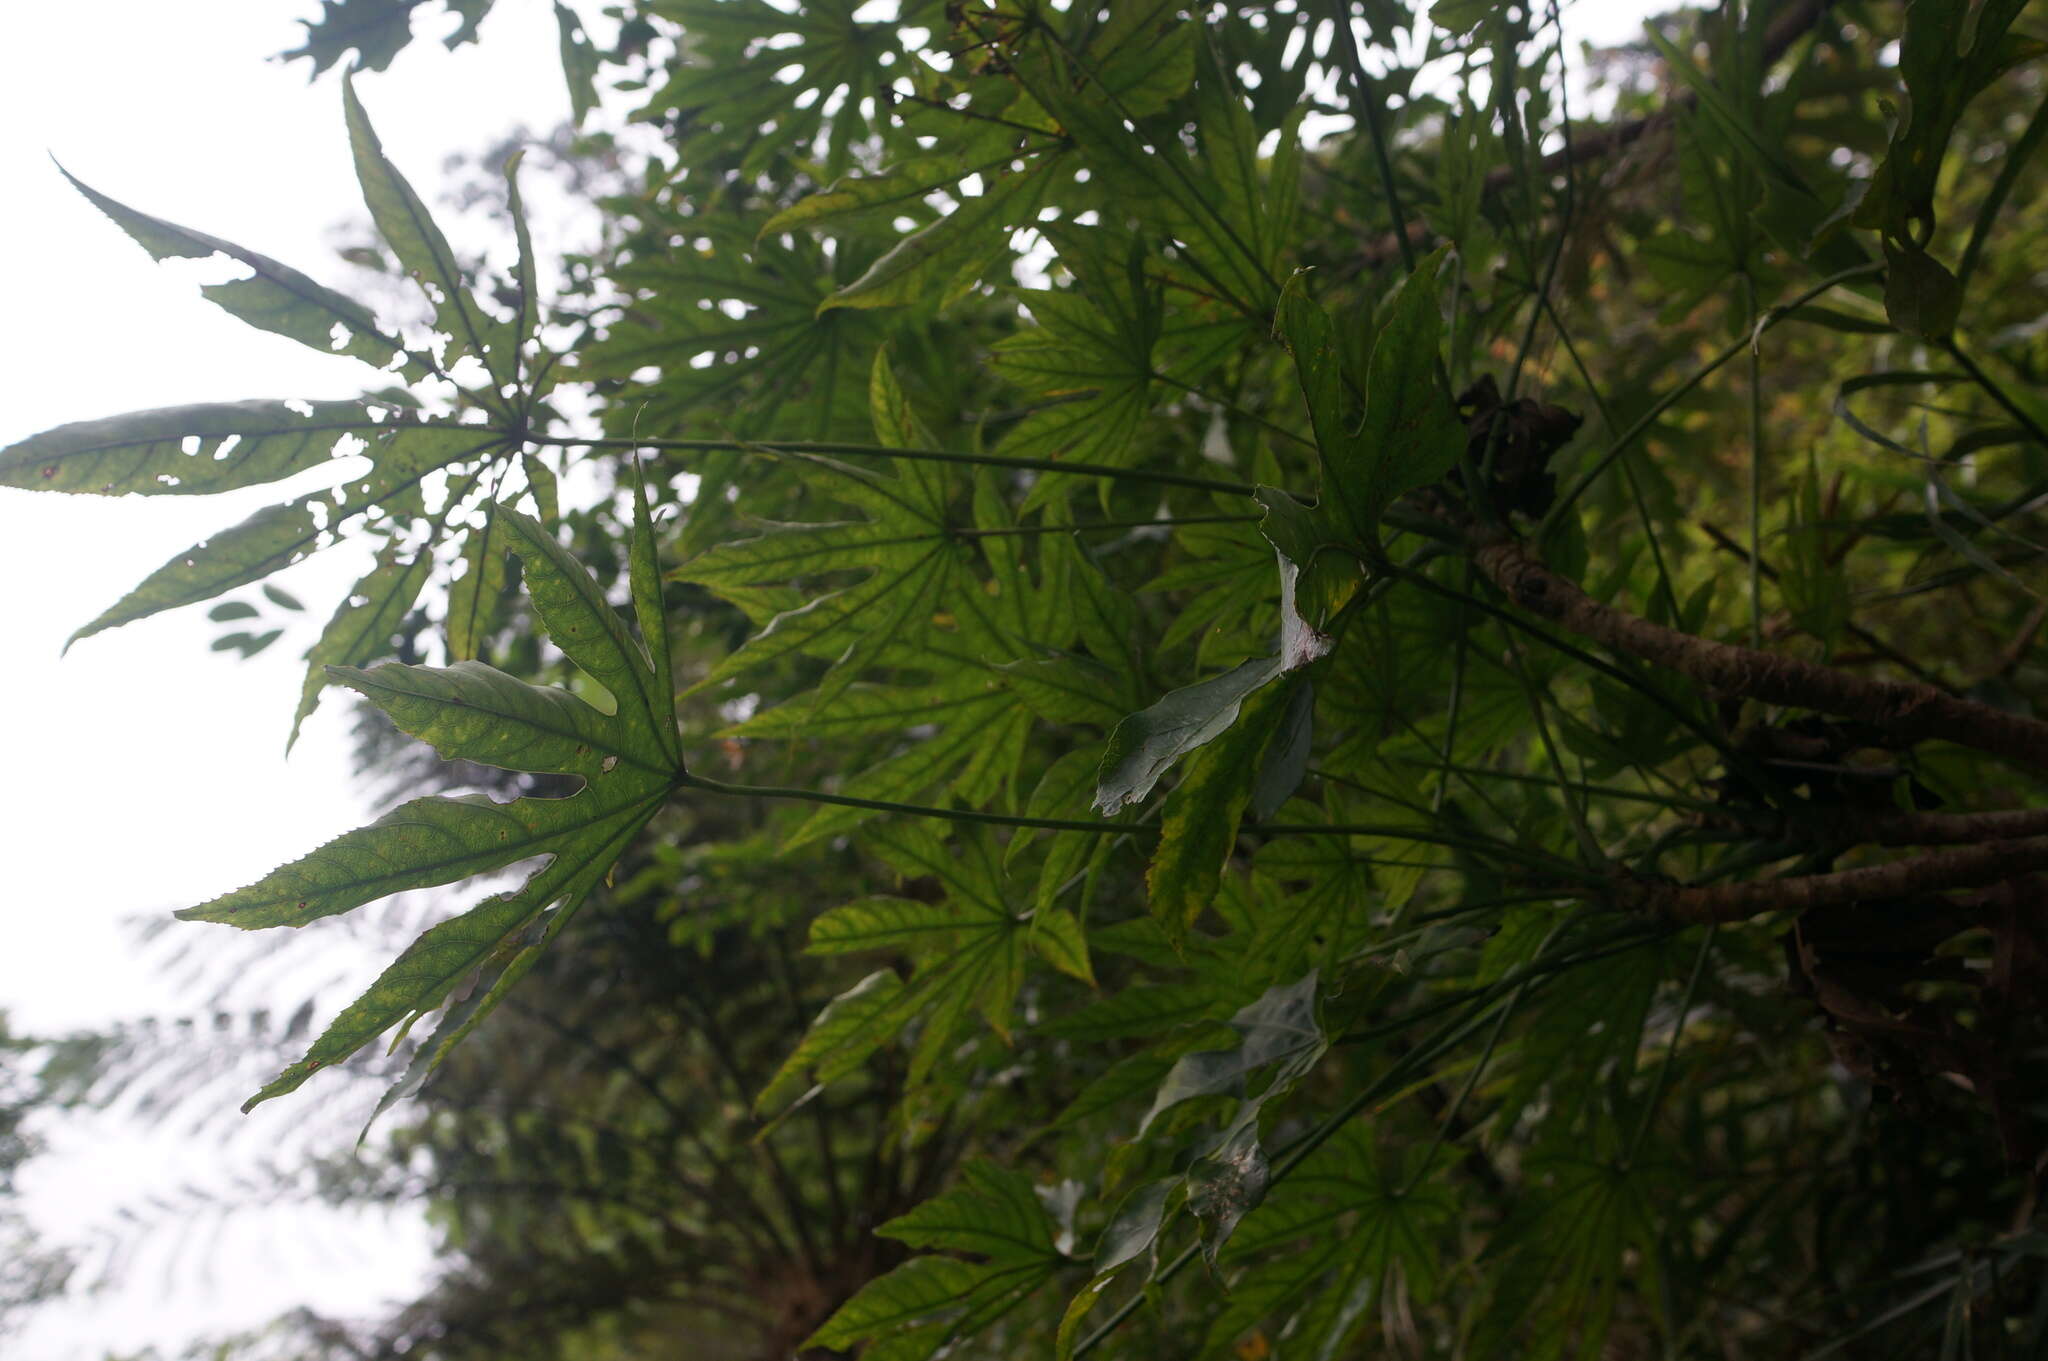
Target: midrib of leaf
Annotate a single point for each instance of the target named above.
(627, 754)
(250, 909)
(833, 614)
(385, 190)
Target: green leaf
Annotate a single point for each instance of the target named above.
(422, 977)
(1143, 57)
(1134, 1228)
(1199, 828)
(376, 30)
(734, 327)
(1321, 915)
(643, 579)
(1749, 142)
(1146, 744)
(852, 1026)
(1089, 361)
(918, 1307)
(1951, 52)
(1920, 296)
(1370, 1226)
(912, 566)
(736, 110)
(362, 628)
(1064, 689)
(902, 189)
(590, 632)
(1067, 791)
(524, 276)
(271, 539)
(1132, 1232)
(938, 260)
(1125, 1080)
(1232, 221)
(473, 596)
(626, 760)
(579, 63)
(1305, 329)
(1061, 941)
(1298, 532)
(1411, 434)
(237, 444)
(278, 536)
(423, 252)
(1138, 1011)
(992, 1212)
(1461, 16)
(915, 1310)
(971, 746)
(967, 949)
(233, 444)
(274, 297)
(1285, 762)
(879, 922)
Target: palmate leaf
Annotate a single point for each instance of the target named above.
(208, 447)
(1092, 349)
(967, 953)
(1279, 1041)
(221, 446)
(1329, 1239)
(1409, 434)
(911, 568)
(1233, 223)
(729, 82)
(1588, 1230)
(921, 610)
(1951, 52)
(1324, 913)
(1142, 57)
(913, 1311)
(629, 761)
(946, 258)
(376, 30)
(734, 327)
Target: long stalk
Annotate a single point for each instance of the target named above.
(837, 449)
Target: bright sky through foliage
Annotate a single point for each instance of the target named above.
(178, 110)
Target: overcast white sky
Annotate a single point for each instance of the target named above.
(143, 772)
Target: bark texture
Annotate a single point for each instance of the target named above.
(1909, 712)
(1965, 867)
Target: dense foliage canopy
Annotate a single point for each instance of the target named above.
(1167, 680)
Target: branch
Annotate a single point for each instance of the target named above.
(1912, 712)
(1967, 867)
(1924, 829)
